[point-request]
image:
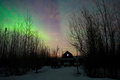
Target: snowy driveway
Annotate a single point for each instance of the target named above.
(46, 73)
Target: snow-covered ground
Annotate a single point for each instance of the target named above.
(46, 73)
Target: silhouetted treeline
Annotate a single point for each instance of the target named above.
(21, 49)
(96, 35)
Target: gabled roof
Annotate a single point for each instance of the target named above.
(67, 54)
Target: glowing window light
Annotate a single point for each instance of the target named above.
(67, 54)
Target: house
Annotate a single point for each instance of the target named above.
(67, 59)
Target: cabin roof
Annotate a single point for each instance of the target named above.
(67, 54)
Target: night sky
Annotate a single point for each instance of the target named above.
(50, 17)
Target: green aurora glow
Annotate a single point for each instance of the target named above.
(10, 18)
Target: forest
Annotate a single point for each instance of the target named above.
(96, 35)
(21, 49)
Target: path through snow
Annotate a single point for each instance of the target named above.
(46, 73)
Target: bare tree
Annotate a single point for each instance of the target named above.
(94, 35)
(22, 50)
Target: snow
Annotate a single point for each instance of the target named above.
(46, 73)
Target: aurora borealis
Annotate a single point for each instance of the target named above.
(49, 17)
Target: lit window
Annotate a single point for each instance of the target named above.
(67, 54)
